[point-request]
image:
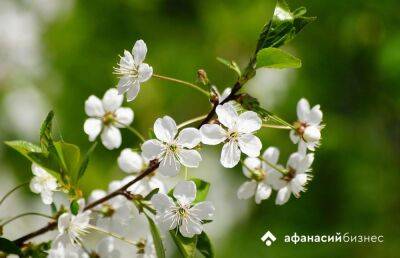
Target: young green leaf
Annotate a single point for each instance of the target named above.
(204, 245)
(46, 140)
(202, 188)
(186, 246)
(153, 192)
(9, 247)
(68, 156)
(155, 233)
(85, 162)
(231, 64)
(276, 58)
(74, 207)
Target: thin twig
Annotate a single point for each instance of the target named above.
(11, 191)
(276, 126)
(23, 215)
(112, 234)
(193, 120)
(194, 86)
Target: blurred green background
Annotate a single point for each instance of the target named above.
(351, 60)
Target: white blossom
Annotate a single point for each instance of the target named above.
(131, 162)
(170, 150)
(133, 71)
(65, 251)
(263, 177)
(296, 178)
(145, 248)
(237, 137)
(308, 127)
(43, 183)
(106, 117)
(221, 97)
(106, 248)
(71, 227)
(185, 215)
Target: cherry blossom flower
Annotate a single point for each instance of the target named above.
(221, 97)
(71, 227)
(185, 215)
(170, 150)
(133, 71)
(106, 117)
(43, 183)
(308, 127)
(106, 248)
(263, 177)
(296, 178)
(131, 162)
(145, 248)
(68, 251)
(237, 138)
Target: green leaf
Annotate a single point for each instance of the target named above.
(153, 192)
(85, 162)
(68, 155)
(204, 245)
(46, 140)
(74, 207)
(186, 246)
(231, 64)
(202, 189)
(283, 27)
(155, 233)
(24, 147)
(9, 247)
(276, 58)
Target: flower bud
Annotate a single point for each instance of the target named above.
(312, 134)
(202, 76)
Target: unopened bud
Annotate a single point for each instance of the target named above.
(312, 134)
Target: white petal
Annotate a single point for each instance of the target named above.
(161, 202)
(263, 192)
(133, 91)
(247, 190)
(35, 185)
(124, 84)
(203, 210)
(94, 107)
(38, 171)
(139, 51)
(294, 160)
(230, 154)
(253, 164)
(111, 137)
(315, 116)
(92, 127)
(51, 183)
(81, 202)
(283, 195)
(250, 145)
(165, 129)
(185, 192)
(312, 134)
(212, 134)
(127, 60)
(303, 109)
(64, 222)
(169, 166)
(271, 154)
(112, 100)
(225, 94)
(189, 228)
(298, 183)
(305, 163)
(274, 178)
(152, 149)
(96, 195)
(156, 183)
(130, 161)
(105, 246)
(115, 185)
(145, 72)
(47, 197)
(294, 137)
(227, 115)
(189, 158)
(249, 122)
(189, 138)
(124, 116)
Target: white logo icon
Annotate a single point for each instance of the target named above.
(268, 238)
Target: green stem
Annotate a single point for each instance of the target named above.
(11, 191)
(281, 121)
(276, 126)
(194, 86)
(190, 121)
(281, 170)
(133, 130)
(23, 215)
(112, 234)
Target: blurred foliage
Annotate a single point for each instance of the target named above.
(351, 60)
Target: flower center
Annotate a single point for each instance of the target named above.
(258, 175)
(234, 135)
(289, 175)
(109, 118)
(300, 127)
(141, 245)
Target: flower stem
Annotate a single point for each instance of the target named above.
(194, 86)
(190, 121)
(281, 121)
(281, 170)
(112, 234)
(23, 215)
(276, 126)
(11, 191)
(133, 130)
